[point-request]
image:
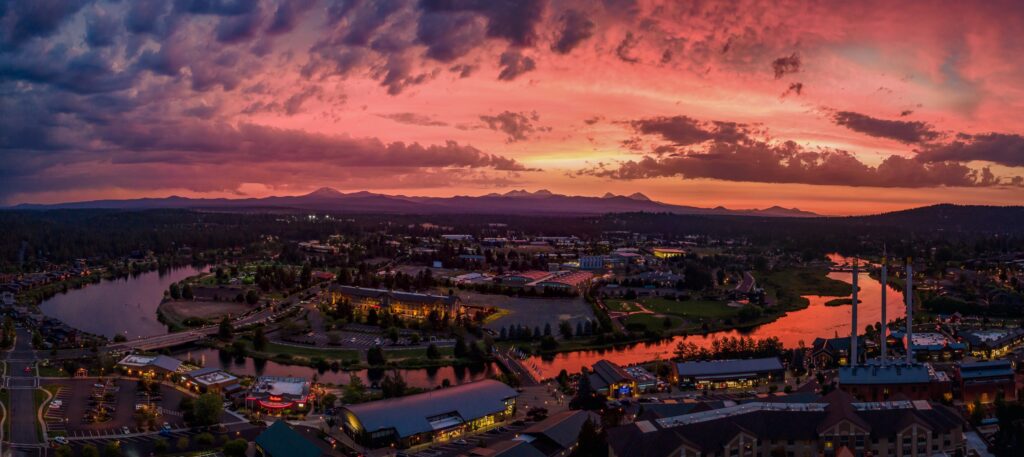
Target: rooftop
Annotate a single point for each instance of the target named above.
(276, 385)
(728, 367)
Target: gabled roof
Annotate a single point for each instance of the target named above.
(280, 440)
(563, 428)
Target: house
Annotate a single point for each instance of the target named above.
(281, 440)
(437, 415)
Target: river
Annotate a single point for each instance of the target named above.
(121, 306)
(815, 321)
(420, 377)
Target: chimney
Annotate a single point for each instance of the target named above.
(909, 293)
(885, 329)
(853, 319)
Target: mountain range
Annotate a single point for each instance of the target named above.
(520, 202)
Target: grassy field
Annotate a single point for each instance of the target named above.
(691, 309)
(788, 286)
(618, 304)
(652, 322)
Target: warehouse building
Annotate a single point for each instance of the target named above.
(438, 415)
(986, 381)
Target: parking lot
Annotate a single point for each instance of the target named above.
(462, 446)
(93, 409)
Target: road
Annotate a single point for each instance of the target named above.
(22, 386)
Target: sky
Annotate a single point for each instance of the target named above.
(834, 107)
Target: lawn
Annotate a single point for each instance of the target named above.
(691, 309)
(617, 304)
(651, 322)
(789, 286)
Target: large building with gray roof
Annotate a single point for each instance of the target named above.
(729, 373)
(438, 415)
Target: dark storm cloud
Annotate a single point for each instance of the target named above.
(512, 20)
(575, 28)
(790, 163)
(101, 28)
(21, 21)
(786, 65)
(449, 36)
(287, 15)
(684, 130)
(89, 72)
(1002, 148)
(517, 126)
(908, 132)
(513, 64)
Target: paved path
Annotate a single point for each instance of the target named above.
(22, 387)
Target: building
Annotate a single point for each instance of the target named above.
(722, 374)
(149, 366)
(936, 347)
(836, 425)
(918, 381)
(211, 379)
(556, 436)
(403, 303)
(592, 262)
(986, 381)
(280, 440)
(276, 394)
(668, 253)
(992, 343)
(612, 381)
(522, 278)
(574, 281)
(438, 415)
(830, 352)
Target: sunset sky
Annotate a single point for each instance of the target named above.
(833, 107)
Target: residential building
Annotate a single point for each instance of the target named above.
(734, 373)
(438, 415)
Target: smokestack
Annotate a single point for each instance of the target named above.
(885, 329)
(853, 320)
(909, 293)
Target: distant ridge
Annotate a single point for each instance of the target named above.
(518, 202)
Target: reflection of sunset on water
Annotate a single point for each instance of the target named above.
(815, 321)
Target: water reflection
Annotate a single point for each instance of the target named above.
(815, 321)
(125, 306)
(424, 377)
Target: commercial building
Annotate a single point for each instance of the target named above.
(280, 440)
(918, 381)
(438, 415)
(936, 347)
(523, 278)
(592, 262)
(276, 394)
(721, 374)
(556, 436)
(668, 253)
(992, 343)
(211, 379)
(612, 381)
(402, 303)
(564, 280)
(986, 381)
(836, 425)
(149, 366)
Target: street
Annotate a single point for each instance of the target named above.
(22, 385)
